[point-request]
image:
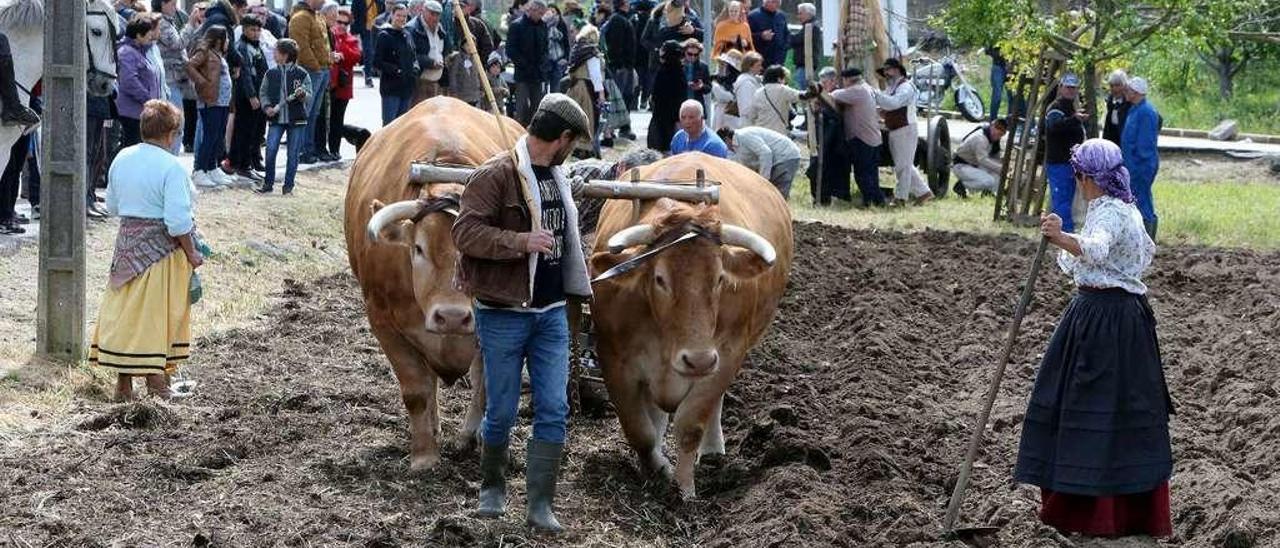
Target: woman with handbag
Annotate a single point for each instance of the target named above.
(144, 322)
(775, 101)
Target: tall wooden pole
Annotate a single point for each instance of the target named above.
(60, 310)
(482, 70)
(815, 143)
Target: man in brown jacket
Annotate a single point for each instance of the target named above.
(307, 28)
(522, 257)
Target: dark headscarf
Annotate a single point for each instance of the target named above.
(583, 50)
(1102, 160)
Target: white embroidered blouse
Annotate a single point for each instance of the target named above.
(1114, 248)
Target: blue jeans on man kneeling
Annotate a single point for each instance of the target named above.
(507, 338)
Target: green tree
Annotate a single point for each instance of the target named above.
(1092, 34)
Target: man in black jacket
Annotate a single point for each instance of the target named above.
(807, 15)
(527, 49)
(250, 125)
(620, 49)
(1063, 128)
(1117, 106)
(480, 31)
(640, 13)
(429, 44)
(397, 63)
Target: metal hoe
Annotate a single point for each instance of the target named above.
(980, 426)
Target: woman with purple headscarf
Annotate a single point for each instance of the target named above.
(1095, 438)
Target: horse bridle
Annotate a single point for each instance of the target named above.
(667, 241)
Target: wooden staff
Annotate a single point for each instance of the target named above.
(482, 71)
(980, 425)
(815, 143)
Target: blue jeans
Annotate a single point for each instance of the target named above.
(866, 171)
(319, 83)
(802, 80)
(1062, 192)
(507, 338)
(998, 74)
(1140, 182)
(175, 99)
(211, 145)
(393, 106)
(293, 149)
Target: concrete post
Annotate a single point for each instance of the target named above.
(60, 311)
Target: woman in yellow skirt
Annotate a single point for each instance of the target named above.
(144, 323)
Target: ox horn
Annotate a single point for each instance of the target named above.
(392, 213)
(631, 236)
(737, 236)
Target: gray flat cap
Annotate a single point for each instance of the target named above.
(434, 7)
(568, 110)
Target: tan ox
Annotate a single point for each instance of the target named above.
(672, 333)
(404, 257)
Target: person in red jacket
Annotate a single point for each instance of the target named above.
(341, 77)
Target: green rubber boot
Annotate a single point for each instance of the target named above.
(541, 472)
(493, 481)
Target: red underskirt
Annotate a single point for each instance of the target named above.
(1137, 514)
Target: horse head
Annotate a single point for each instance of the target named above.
(101, 34)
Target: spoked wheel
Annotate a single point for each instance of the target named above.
(937, 158)
(969, 103)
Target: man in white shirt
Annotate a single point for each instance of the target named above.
(976, 164)
(774, 156)
(898, 103)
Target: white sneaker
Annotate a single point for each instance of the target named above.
(202, 180)
(221, 178)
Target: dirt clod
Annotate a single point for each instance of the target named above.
(131, 415)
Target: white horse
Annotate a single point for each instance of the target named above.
(23, 22)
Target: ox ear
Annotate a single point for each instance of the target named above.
(742, 264)
(393, 233)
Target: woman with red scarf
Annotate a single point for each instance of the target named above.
(341, 77)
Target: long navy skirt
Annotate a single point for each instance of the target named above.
(1098, 420)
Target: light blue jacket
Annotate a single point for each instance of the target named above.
(147, 182)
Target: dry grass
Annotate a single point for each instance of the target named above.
(258, 242)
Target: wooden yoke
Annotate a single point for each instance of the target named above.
(699, 192)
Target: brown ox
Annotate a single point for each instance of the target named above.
(404, 257)
(672, 333)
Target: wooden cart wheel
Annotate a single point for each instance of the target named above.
(937, 161)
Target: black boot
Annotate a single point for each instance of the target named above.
(15, 113)
(1151, 226)
(493, 481)
(960, 190)
(542, 469)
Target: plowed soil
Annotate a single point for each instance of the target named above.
(845, 429)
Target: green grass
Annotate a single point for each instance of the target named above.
(1225, 214)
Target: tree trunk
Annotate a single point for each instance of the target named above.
(1089, 97)
(1225, 68)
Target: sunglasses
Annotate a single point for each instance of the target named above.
(341, 22)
